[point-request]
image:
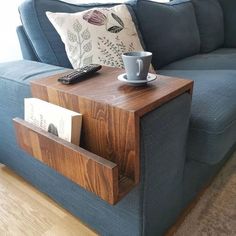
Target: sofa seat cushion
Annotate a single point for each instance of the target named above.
(213, 117)
(169, 30)
(23, 71)
(220, 59)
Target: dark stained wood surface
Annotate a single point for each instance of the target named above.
(108, 161)
(111, 111)
(104, 87)
(90, 171)
(87, 169)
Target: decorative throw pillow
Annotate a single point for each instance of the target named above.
(98, 35)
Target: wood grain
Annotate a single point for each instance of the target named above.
(90, 171)
(109, 156)
(111, 111)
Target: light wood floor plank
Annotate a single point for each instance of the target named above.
(26, 211)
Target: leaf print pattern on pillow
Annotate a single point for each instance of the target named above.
(95, 17)
(85, 34)
(115, 29)
(71, 36)
(87, 47)
(98, 35)
(111, 51)
(117, 18)
(77, 26)
(79, 43)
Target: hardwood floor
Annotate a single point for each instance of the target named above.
(26, 211)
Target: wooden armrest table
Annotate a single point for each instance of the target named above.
(109, 157)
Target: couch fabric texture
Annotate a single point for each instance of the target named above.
(179, 152)
(212, 125)
(228, 7)
(219, 59)
(168, 43)
(210, 22)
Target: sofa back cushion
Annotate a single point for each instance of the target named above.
(229, 9)
(45, 41)
(210, 21)
(169, 30)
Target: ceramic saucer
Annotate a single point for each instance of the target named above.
(150, 78)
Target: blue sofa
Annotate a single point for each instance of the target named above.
(183, 144)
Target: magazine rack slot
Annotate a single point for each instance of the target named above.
(86, 169)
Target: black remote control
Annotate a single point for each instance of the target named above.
(80, 74)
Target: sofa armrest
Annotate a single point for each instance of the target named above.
(229, 9)
(14, 87)
(163, 155)
(24, 71)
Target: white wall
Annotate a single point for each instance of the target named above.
(9, 19)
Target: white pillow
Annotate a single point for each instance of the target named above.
(98, 35)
